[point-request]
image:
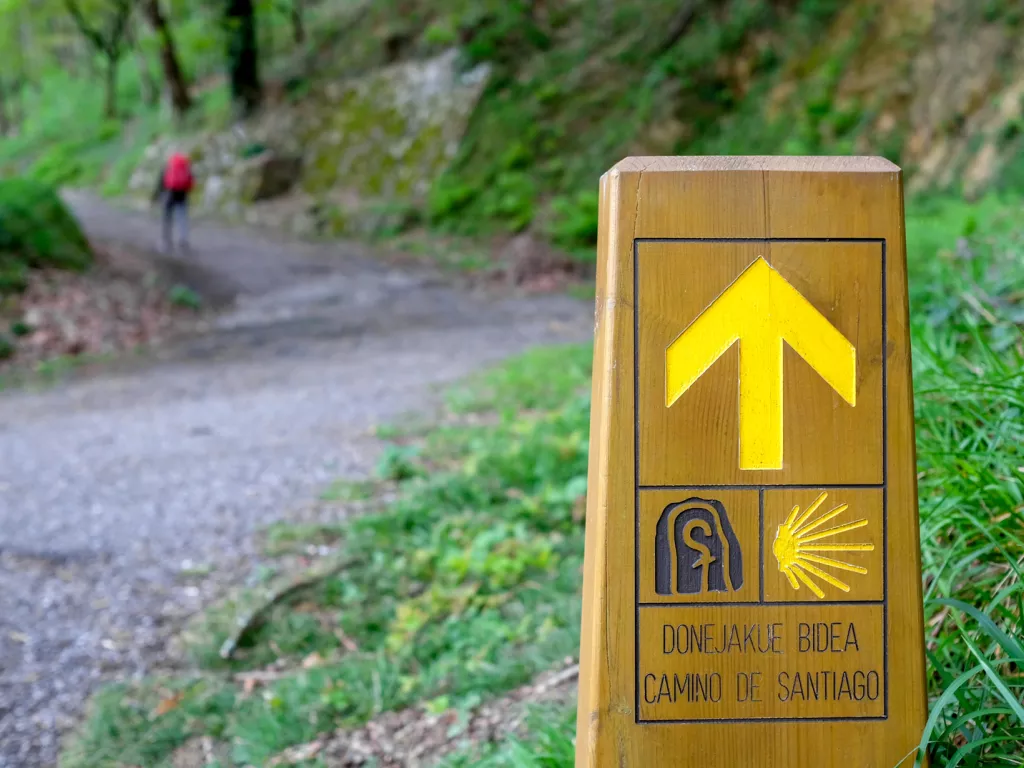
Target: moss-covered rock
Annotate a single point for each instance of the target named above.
(359, 145)
(36, 231)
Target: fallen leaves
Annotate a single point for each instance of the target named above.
(250, 680)
(298, 754)
(345, 640)
(101, 312)
(313, 661)
(279, 670)
(168, 704)
(423, 734)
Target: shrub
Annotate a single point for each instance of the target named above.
(574, 222)
(36, 230)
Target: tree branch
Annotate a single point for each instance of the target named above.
(121, 20)
(111, 44)
(677, 27)
(90, 34)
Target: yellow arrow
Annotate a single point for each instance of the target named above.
(760, 310)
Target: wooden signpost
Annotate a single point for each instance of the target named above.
(752, 589)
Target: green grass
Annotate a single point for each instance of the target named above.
(967, 312)
(48, 373)
(464, 586)
(542, 379)
(549, 744)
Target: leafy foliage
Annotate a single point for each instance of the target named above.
(62, 130)
(573, 87)
(577, 88)
(549, 744)
(36, 230)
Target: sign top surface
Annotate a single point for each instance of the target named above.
(816, 164)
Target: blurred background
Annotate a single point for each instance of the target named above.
(311, 490)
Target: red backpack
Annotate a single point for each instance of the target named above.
(178, 177)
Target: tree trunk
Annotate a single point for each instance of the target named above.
(678, 27)
(22, 81)
(150, 88)
(108, 40)
(14, 103)
(298, 25)
(243, 59)
(180, 98)
(110, 105)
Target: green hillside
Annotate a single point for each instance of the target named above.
(568, 88)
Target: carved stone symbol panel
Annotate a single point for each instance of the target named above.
(696, 550)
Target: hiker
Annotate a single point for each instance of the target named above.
(174, 185)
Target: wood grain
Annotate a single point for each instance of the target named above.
(823, 224)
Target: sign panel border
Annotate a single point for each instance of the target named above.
(760, 487)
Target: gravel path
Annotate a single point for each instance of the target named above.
(110, 485)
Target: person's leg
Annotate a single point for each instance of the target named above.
(183, 224)
(168, 224)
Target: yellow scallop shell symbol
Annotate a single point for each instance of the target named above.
(800, 547)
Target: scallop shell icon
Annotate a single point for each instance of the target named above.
(801, 546)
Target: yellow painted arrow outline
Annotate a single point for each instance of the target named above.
(760, 310)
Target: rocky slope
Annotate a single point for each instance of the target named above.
(942, 81)
(344, 156)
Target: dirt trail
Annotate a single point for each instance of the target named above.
(110, 486)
